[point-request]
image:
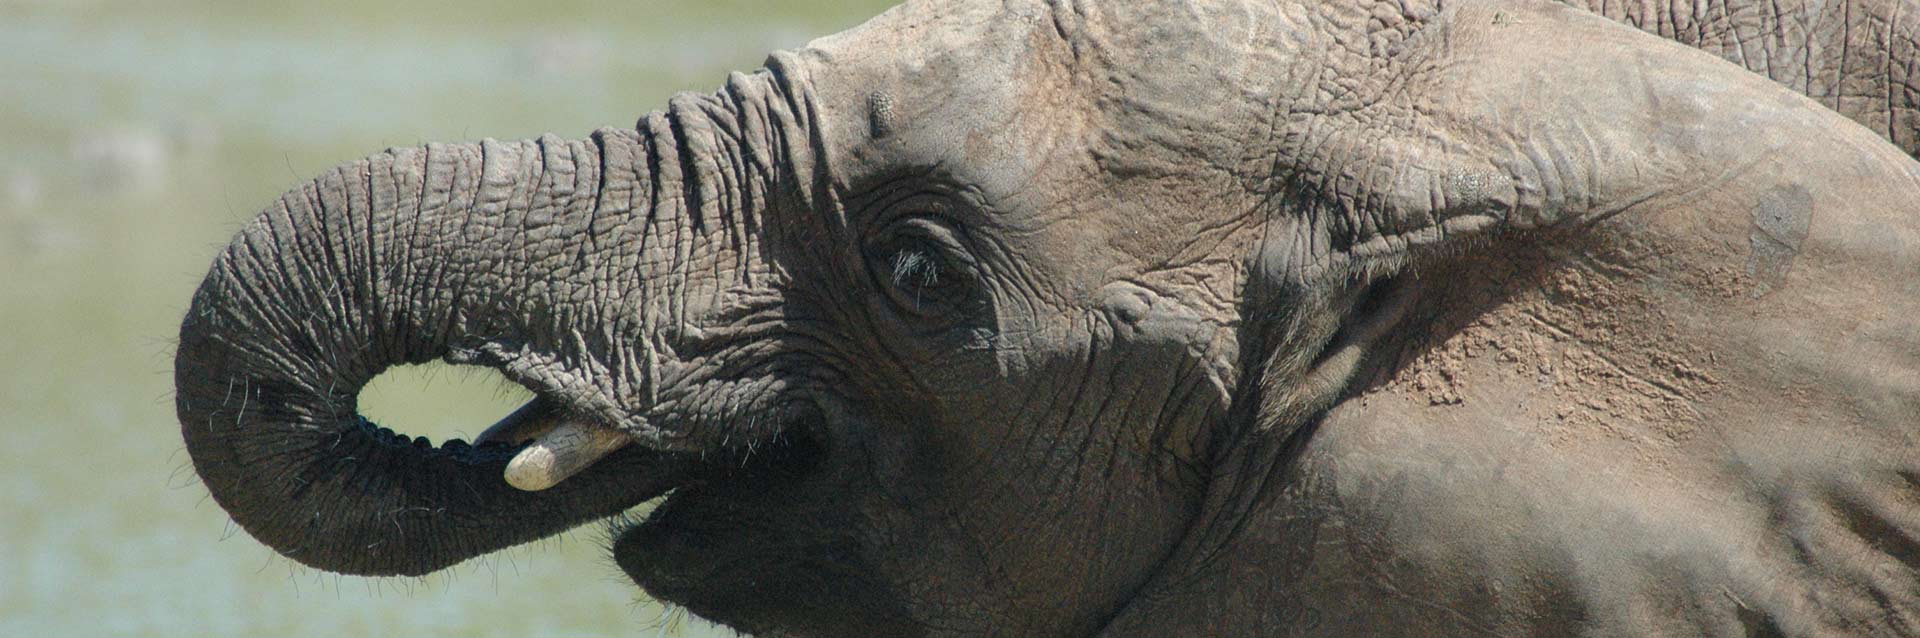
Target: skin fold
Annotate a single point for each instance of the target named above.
(1143, 319)
(1854, 57)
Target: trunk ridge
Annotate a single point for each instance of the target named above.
(571, 266)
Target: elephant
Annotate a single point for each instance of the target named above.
(1170, 317)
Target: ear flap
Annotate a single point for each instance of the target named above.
(1484, 122)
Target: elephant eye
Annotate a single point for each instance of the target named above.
(922, 268)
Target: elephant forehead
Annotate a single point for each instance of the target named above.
(916, 34)
(943, 84)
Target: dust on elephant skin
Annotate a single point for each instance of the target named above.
(1216, 317)
(1780, 224)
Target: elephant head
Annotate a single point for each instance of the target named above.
(987, 316)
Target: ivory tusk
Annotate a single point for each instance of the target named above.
(560, 453)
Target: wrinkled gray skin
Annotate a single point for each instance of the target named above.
(1147, 319)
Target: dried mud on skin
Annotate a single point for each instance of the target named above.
(1580, 323)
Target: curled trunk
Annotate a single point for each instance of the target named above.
(553, 261)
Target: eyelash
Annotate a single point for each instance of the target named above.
(920, 269)
(915, 268)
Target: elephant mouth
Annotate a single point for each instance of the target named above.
(718, 543)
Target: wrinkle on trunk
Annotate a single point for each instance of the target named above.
(571, 266)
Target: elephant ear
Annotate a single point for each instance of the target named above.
(1466, 128)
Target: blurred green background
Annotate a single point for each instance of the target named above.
(135, 137)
